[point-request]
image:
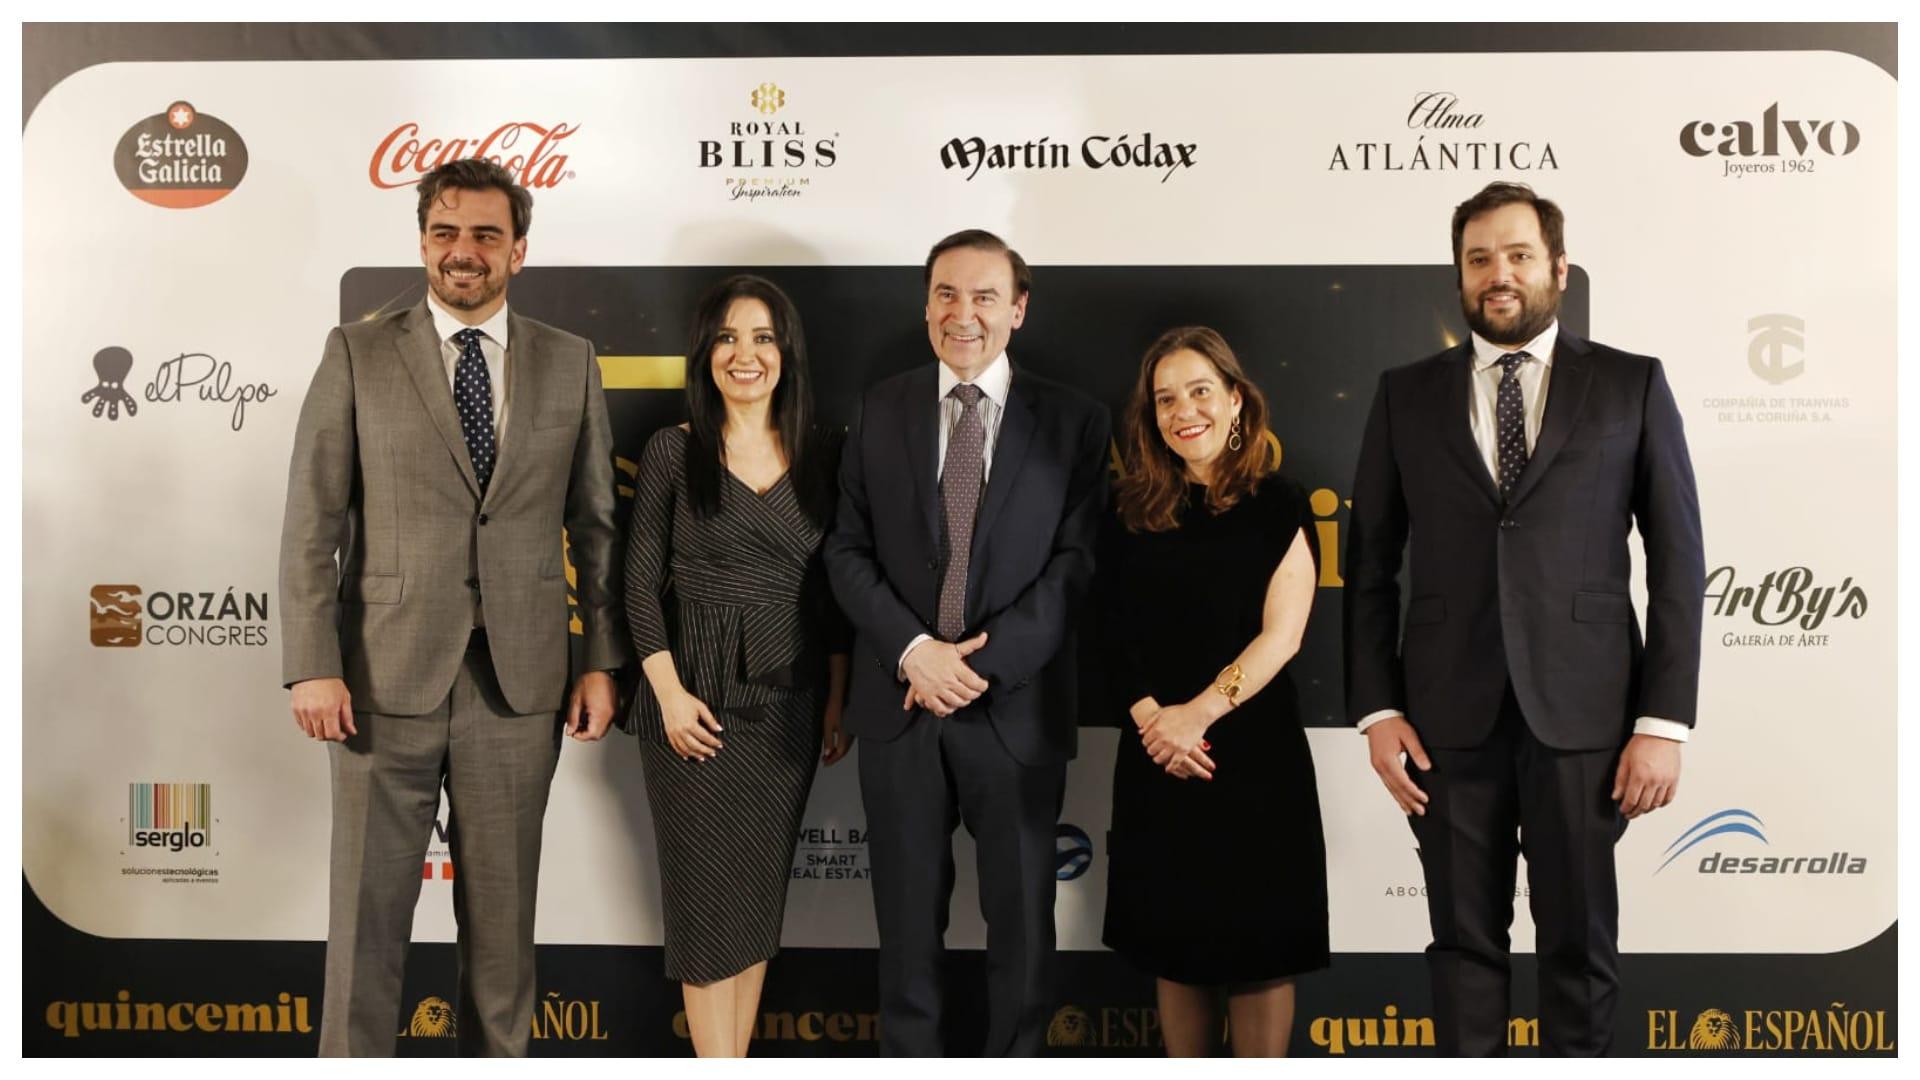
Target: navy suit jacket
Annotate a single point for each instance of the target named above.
(1032, 557)
(1534, 591)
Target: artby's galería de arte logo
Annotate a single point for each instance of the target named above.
(1450, 136)
(1836, 1028)
(1788, 608)
(125, 616)
(532, 152)
(181, 158)
(197, 373)
(1775, 145)
(767, 154)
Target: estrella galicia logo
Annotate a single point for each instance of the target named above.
(1745, 823)
(181, 158)
(1072, 852)
(1723, 823)
(192, 373)
(1773, 335)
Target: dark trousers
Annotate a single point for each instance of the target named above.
(1511, 795)
(916, 788)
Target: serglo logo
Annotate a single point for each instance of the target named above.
(180, 158)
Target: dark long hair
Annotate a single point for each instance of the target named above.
(1154, 489)
(792, 408)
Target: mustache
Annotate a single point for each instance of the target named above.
(462, 264)
(1501, 291)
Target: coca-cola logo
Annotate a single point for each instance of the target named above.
(180, 158)
(532, 152)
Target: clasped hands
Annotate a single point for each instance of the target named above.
(1175, 737)
(938, 677)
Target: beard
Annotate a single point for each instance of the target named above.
(1538, 308)
(490, 288)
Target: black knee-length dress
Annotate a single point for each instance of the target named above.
(1221, 881)
(742, 602)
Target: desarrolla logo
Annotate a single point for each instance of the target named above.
(180, 158)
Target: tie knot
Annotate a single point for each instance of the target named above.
(468, 338)
(967, 393)
(1512, 360)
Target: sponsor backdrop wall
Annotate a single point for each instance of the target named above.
(195, 226)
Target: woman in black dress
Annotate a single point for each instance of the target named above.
(743, 650)
(1218, 877)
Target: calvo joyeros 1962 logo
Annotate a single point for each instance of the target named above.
(768, 155)
(181, 158)
(1775, 145)
(1450, 139)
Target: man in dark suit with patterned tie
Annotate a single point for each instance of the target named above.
(1537, 720)
(971, 493)
(423, 594)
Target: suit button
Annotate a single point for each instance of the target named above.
(933, 564)
(483, 519)
(473, 583)
(1509, 524)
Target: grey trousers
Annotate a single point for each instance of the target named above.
(497, 767)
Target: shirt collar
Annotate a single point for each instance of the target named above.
(1486, 354)
(994, 382)
(445, 325)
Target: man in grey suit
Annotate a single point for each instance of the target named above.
(439, 453)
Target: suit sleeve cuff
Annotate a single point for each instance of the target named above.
(1665, 729)
(900, 665)
(1375, 717)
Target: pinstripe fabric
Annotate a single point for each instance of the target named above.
(740, 600)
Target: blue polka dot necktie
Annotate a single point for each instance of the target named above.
(960, 483)
(1510, 420)
(473, 396)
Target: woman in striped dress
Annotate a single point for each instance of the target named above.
(743, 650)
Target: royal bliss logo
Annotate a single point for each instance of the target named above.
(534, 153)
(1772, 145)
(180, 158)
(1120, 152)
(194, 374)
(1788, 607)
(1448, 137)
(769, 155)
(125, 617)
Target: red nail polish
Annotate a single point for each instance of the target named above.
(1205, 745)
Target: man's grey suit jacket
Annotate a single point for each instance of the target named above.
(382, 477)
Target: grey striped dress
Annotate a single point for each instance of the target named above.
(741, 601)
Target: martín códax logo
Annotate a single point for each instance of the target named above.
(180, 158)
(1118, 153)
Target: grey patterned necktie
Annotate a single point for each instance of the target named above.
(473, 397)
(1510, 422)
(960, 481)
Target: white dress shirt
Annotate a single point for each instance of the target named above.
(493, 349)
(1534, 374)
(994, 383)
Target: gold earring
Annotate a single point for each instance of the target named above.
(1233, 437)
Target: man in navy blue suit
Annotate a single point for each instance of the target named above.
(1509, 470)
(970, 497)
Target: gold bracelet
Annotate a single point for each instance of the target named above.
(1228, 683)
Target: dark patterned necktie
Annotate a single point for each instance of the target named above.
(1510, 422)
(473, 396)
(960, 497)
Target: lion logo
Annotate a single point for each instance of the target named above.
(1070, 1027)
(1713, 1030)
(433, 1019)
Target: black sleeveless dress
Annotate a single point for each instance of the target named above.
(1221, 881)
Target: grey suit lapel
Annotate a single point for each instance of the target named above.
(520, 365)
(419, 348)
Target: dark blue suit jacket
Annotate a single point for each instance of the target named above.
(1032, 557)
(1535, 591)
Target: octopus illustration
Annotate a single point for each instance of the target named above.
(111, 365)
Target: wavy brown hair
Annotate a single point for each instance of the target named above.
(1154, 490)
